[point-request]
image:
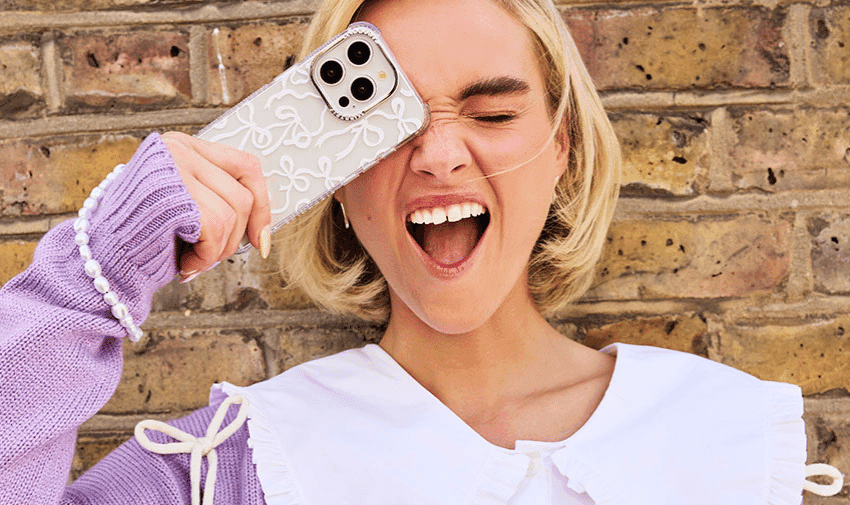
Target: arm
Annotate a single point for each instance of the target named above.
(60, 346)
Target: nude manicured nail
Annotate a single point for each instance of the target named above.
(266, 242)
(189, 276)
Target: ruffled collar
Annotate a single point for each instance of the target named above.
(355, 428)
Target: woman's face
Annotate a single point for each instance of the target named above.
(477, 69)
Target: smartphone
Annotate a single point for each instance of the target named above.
(324, 121)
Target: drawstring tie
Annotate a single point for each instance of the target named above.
(822, 470)
(197, 447)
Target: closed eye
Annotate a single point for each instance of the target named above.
(495, 118)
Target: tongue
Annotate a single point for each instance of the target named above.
(448, 243)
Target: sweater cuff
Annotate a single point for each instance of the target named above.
(135, 227)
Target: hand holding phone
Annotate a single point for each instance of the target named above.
(324, 121)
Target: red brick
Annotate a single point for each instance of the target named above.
(252, 56)
(681, 48)
(54, 175)
(829, 53)
(21, 94)
(827, 431)
(709, 257)
(142, 68)
(802, 148)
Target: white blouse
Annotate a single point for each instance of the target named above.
(671, 429)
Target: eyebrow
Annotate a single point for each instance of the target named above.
(495, 86)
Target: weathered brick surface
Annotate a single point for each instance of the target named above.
(828, 433)
(292, 346)
(680, 48)
(812, 355)
(53, 175)
(803, 148)
(685, 332)
(830, 253)
(252, 56)
(142, 68)
(16, 255)
(21, 92)
(663, 152)
(705, 258)
(87, 5)
(173, 369)
(829, 53)
(92, 447)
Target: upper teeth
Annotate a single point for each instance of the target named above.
(452, 213)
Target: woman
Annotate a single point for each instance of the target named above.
(471, 396)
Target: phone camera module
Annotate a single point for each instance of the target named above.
(331, 72)
(359, 53)
(362, 89)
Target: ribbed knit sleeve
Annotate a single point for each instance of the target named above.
(60, 347)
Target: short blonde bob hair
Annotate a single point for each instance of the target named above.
(326, 261)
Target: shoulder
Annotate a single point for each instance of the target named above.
(670, 418)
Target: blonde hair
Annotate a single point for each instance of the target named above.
(327, 262)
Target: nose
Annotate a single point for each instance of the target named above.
(440, 153)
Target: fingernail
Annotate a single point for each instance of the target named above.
(189, 277)
(266, 241)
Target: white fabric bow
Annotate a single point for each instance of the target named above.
(822, 470)
(196, 447)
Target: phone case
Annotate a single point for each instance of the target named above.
(307, 150)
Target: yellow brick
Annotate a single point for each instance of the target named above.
(21, 93)
(829, 52)
(662, 153)
(706, 258)
(174, 369)
(681, 48)
(15, 257)
(252, 55)
(677, 332)
(811, 355)
(776, 150)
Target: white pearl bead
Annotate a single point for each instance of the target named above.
(110, 176)
(83, 213)
(80, 224)
(110, 298)
(96, 193)
(85, 252)
(92, 268)
(119, 310)
(81, 238)
(127, 322)
(101, 284)
(103, 184)
(90, 203)
(136, 333)
(119, 168)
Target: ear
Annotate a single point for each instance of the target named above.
(563, 145)
(339, 195)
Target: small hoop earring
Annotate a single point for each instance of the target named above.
(344, 217)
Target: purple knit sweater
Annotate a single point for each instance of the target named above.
(60, 352)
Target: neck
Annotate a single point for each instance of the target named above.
(508, 355)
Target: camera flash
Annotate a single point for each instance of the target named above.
(382, 75)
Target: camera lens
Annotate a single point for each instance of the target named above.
(331, 72)
(359, 52)
(362, 89)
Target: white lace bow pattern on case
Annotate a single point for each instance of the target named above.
(93, 270)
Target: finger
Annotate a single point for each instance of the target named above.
(246, 169)
(237, 197)
(218, 220)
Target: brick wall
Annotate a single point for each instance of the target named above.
(731, 239)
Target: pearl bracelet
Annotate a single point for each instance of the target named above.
(93, 270)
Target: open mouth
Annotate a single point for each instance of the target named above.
(448, 234)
